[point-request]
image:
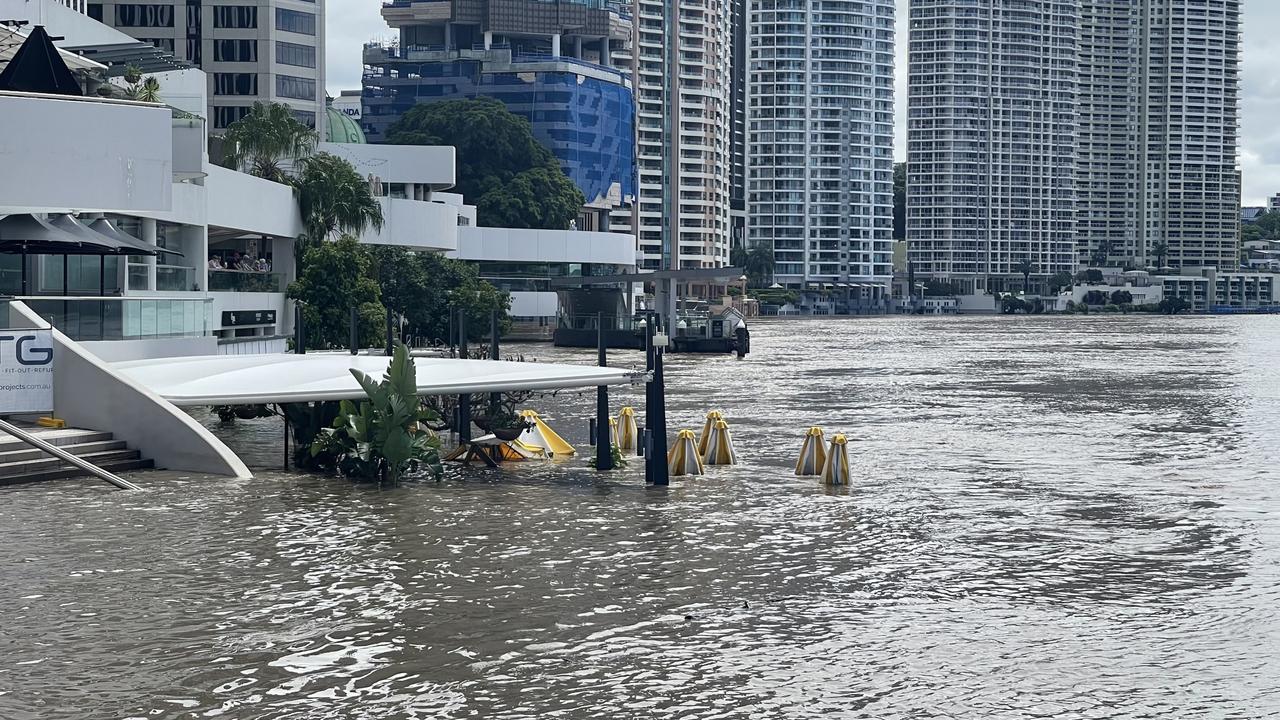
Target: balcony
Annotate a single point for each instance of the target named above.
(245, 281)
(92, 318)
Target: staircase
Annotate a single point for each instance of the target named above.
(21, 463)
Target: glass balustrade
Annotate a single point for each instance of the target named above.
(245, 281)
(124, 318)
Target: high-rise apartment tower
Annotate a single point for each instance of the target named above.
(820, 143)
(991, 143)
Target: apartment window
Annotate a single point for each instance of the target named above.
(235, 83)
(303, 23)
(235, 50)
(144, 16)
(235, 16)
(162, 43)
(306, 118)
(224, 116)
(288, 53)
(295, 87)
(94, 11)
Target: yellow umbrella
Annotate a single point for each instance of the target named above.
(712, 418)
(719, 450)
(835, 471)
(627, 430)
(683, 458)
(812, 454)
(540, 435)
(613, 431)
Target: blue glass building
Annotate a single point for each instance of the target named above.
(550, 62)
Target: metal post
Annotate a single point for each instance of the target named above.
(495, 399)
(286, 440)
(354, 331)
(464, 401)
(657, 421)
(591, 432)
(390, 339)
(24, 268)
(65, 290)
(603, 442)
(451, 333)
(299, 331)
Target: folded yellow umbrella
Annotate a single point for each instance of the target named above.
(627, 430)
(719, 450)
(812, 453)
(683, 458)
(712, 418)
(835, 471)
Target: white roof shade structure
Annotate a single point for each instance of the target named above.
(254, 379)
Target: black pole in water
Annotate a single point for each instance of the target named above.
(495, 399)
(657, 421)
(604, 445)
(464, 400)
(354, 331)
(391, 344)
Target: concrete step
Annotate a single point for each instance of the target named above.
(60, 437)
(30, 453)
(117, 466)
(48, 462)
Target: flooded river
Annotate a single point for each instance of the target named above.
(1053, 517)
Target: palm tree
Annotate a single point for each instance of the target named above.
(1161, 250)
(1026, 267)
(333, 198)
(269, 134)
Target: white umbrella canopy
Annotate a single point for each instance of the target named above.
(540, 435)
(835, 471)
(683, 458)
(812, 453)
(719, 450)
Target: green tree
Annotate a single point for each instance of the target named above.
(511, 178)
(756, 262)
(900, 201)
(426, 287)
(333, 198)
(1121, 297)
(259, 142)
(335, 277)
(1268, 224)
(145, 90)
(1026, 267)
(1060, 280)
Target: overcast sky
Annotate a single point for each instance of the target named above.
(351, 23)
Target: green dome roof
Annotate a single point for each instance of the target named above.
(341, 129)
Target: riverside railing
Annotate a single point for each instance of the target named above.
(245, 281)
(95, 318)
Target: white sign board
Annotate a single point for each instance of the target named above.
(26, 371)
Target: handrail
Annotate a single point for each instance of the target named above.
(65, 456)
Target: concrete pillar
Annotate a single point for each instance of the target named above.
(605, 60)
(577, 46)
(149, 237)
(555, 45)
(448, 36)
(488, 39)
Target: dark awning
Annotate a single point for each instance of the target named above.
(63, 235)
(37, 67)
(103, 226)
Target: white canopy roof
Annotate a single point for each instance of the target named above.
(253, 379)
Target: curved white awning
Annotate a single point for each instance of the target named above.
(253, 379)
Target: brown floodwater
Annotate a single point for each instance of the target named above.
(1057, 517)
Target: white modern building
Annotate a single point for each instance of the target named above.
(251, 51)
(820, 145)
(1158, 127)
(991, 130)
(683, 124)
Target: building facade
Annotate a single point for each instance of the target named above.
(992, 116)
(684, 119)
(550, 63)
(261, 51)
(1159, 178)
(820, 143)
